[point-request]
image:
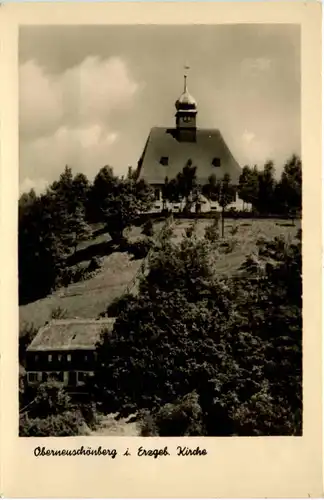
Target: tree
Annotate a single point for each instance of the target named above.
(267, 184)
(187, 184)
(210, 190)
(117, 202)
(50, 412)
(248, 187)
(184, 186)
(42, 245)
(80, 192)
(70, 195)
(238, 346)
(26, 200)
(80, 229)
(221, 191)
(289, 189)
(154, 326)
(225, 195)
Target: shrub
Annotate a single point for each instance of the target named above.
(94, 265)
(69, 423)
(233, 230)
(117, 305)
(48, 398)
(147, 424)
(70, 275)
(58, 313)
(89, 414)
(148, 228)
(190, 231)
(26, 335)
(212, 231)
(184, 417)
(141, 248)
(229, 245)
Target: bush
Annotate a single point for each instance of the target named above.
(89, 414)
(94, 265)
(190, 231)
(233, 230)
(229, 245)
(141, 248)
(117, 306)
(70, 275)
(58, 313)
(148, 228)
(26, 335)
(184, 417)
(147, 424)
(212, 231)
(70, 423)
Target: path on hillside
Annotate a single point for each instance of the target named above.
(110, 426)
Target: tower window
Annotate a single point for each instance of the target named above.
(164, 160)
(216, 162)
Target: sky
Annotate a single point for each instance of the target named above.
(89, 95)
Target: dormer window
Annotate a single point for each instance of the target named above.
(216, 162)
(164, 160)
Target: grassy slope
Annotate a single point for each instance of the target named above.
(87, 299)
(249, 231)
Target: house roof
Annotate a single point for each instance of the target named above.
(209, 145)
(66, 334)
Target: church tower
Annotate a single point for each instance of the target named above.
(186, 107)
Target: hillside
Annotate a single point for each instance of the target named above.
(87, 299)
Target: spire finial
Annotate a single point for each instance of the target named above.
(185, 76)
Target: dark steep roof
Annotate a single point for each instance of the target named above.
(209, 144)
(66, 334)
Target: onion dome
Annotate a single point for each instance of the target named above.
(186, 101)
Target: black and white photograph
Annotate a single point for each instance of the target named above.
(159, 230)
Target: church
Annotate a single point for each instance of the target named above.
(168, 150)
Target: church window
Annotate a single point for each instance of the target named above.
(164, 160)
(216, 162)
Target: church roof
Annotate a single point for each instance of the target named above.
(165, 156)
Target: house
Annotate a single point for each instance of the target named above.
(168, 150)
(66, 351)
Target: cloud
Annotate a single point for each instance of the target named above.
(256, 65)
(68, 118)
(84, 149)
(39, 185)
(40, 107)
(85, 94)
(248, 137)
